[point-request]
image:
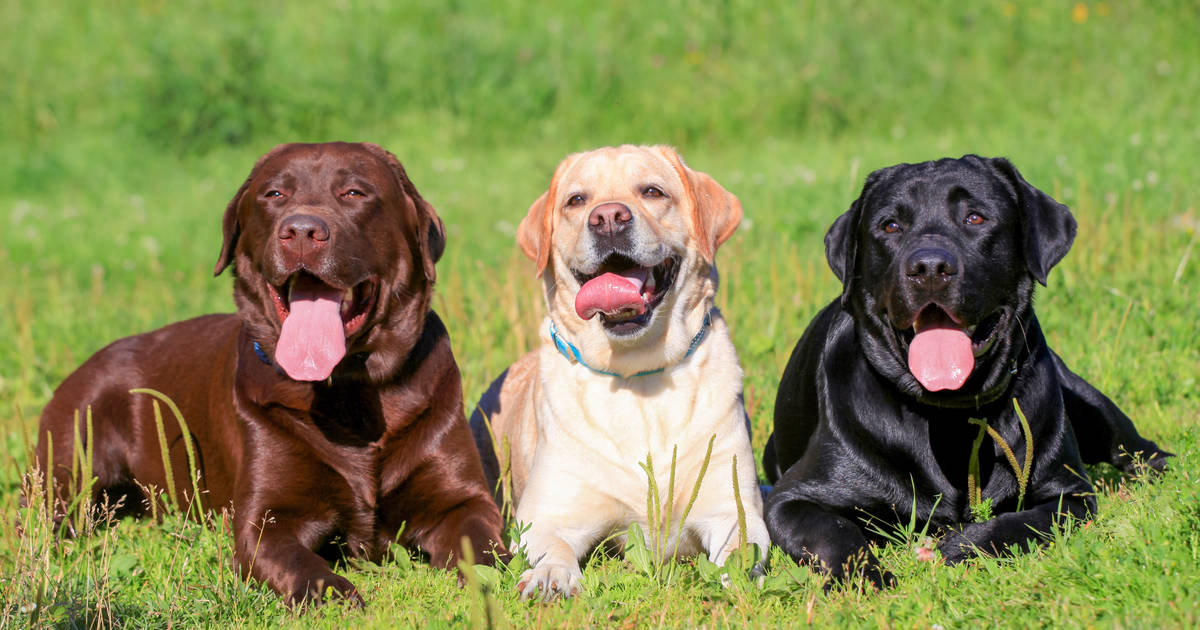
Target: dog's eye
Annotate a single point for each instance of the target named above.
(653, 192)
(354, 192)
(975, 218)
(575, 200)
(273, 193)
(892, 227)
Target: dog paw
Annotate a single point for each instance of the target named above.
(1154, 463)
(860, 572)
(549, 582)
(757, 573)
(879, 577)
(869, 578)
(955, 547)
(324, 590)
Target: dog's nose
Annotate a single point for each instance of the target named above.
(931, 266)
(610, 219)
(303, 229)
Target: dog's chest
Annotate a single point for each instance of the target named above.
(365, 438)
(648, 412)
(957, 457)
(619, 425)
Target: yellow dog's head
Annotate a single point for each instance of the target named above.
(625, 239)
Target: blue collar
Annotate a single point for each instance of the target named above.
(262, 355)
(568, 350)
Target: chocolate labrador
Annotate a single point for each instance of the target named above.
(901, 399)
(327, 411)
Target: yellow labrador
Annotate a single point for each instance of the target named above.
(634, 361)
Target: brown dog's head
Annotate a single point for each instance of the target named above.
(624, 240)
(333, 251)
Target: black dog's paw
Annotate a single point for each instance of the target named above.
(860, 572)
(877, 578)
(1154, 463)
(1149, 462)
(1003, 535)
(955, 547)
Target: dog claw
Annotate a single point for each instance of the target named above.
(758, 574)
(549, 583)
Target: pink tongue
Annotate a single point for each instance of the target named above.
(313, 339)
(941, 358)
(615, 295)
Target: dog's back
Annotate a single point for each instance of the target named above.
(183, 361)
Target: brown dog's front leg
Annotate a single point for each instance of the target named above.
(444, 500)
(475, 521)
(276, 548)
(444, 496)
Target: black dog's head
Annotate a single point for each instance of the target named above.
(937, 262)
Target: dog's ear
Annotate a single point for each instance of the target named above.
(713, 212)
(841, 241)
(428, 235)
(840, 244)
(434, 243)
(436, 236)
(1047, 227)
(231, 228)
(535, 233)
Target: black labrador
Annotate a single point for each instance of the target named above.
(902, 395)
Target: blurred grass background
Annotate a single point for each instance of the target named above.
(125, 128)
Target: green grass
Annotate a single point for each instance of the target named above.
(124, 130)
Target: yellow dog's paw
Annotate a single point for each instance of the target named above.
(549, 582)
